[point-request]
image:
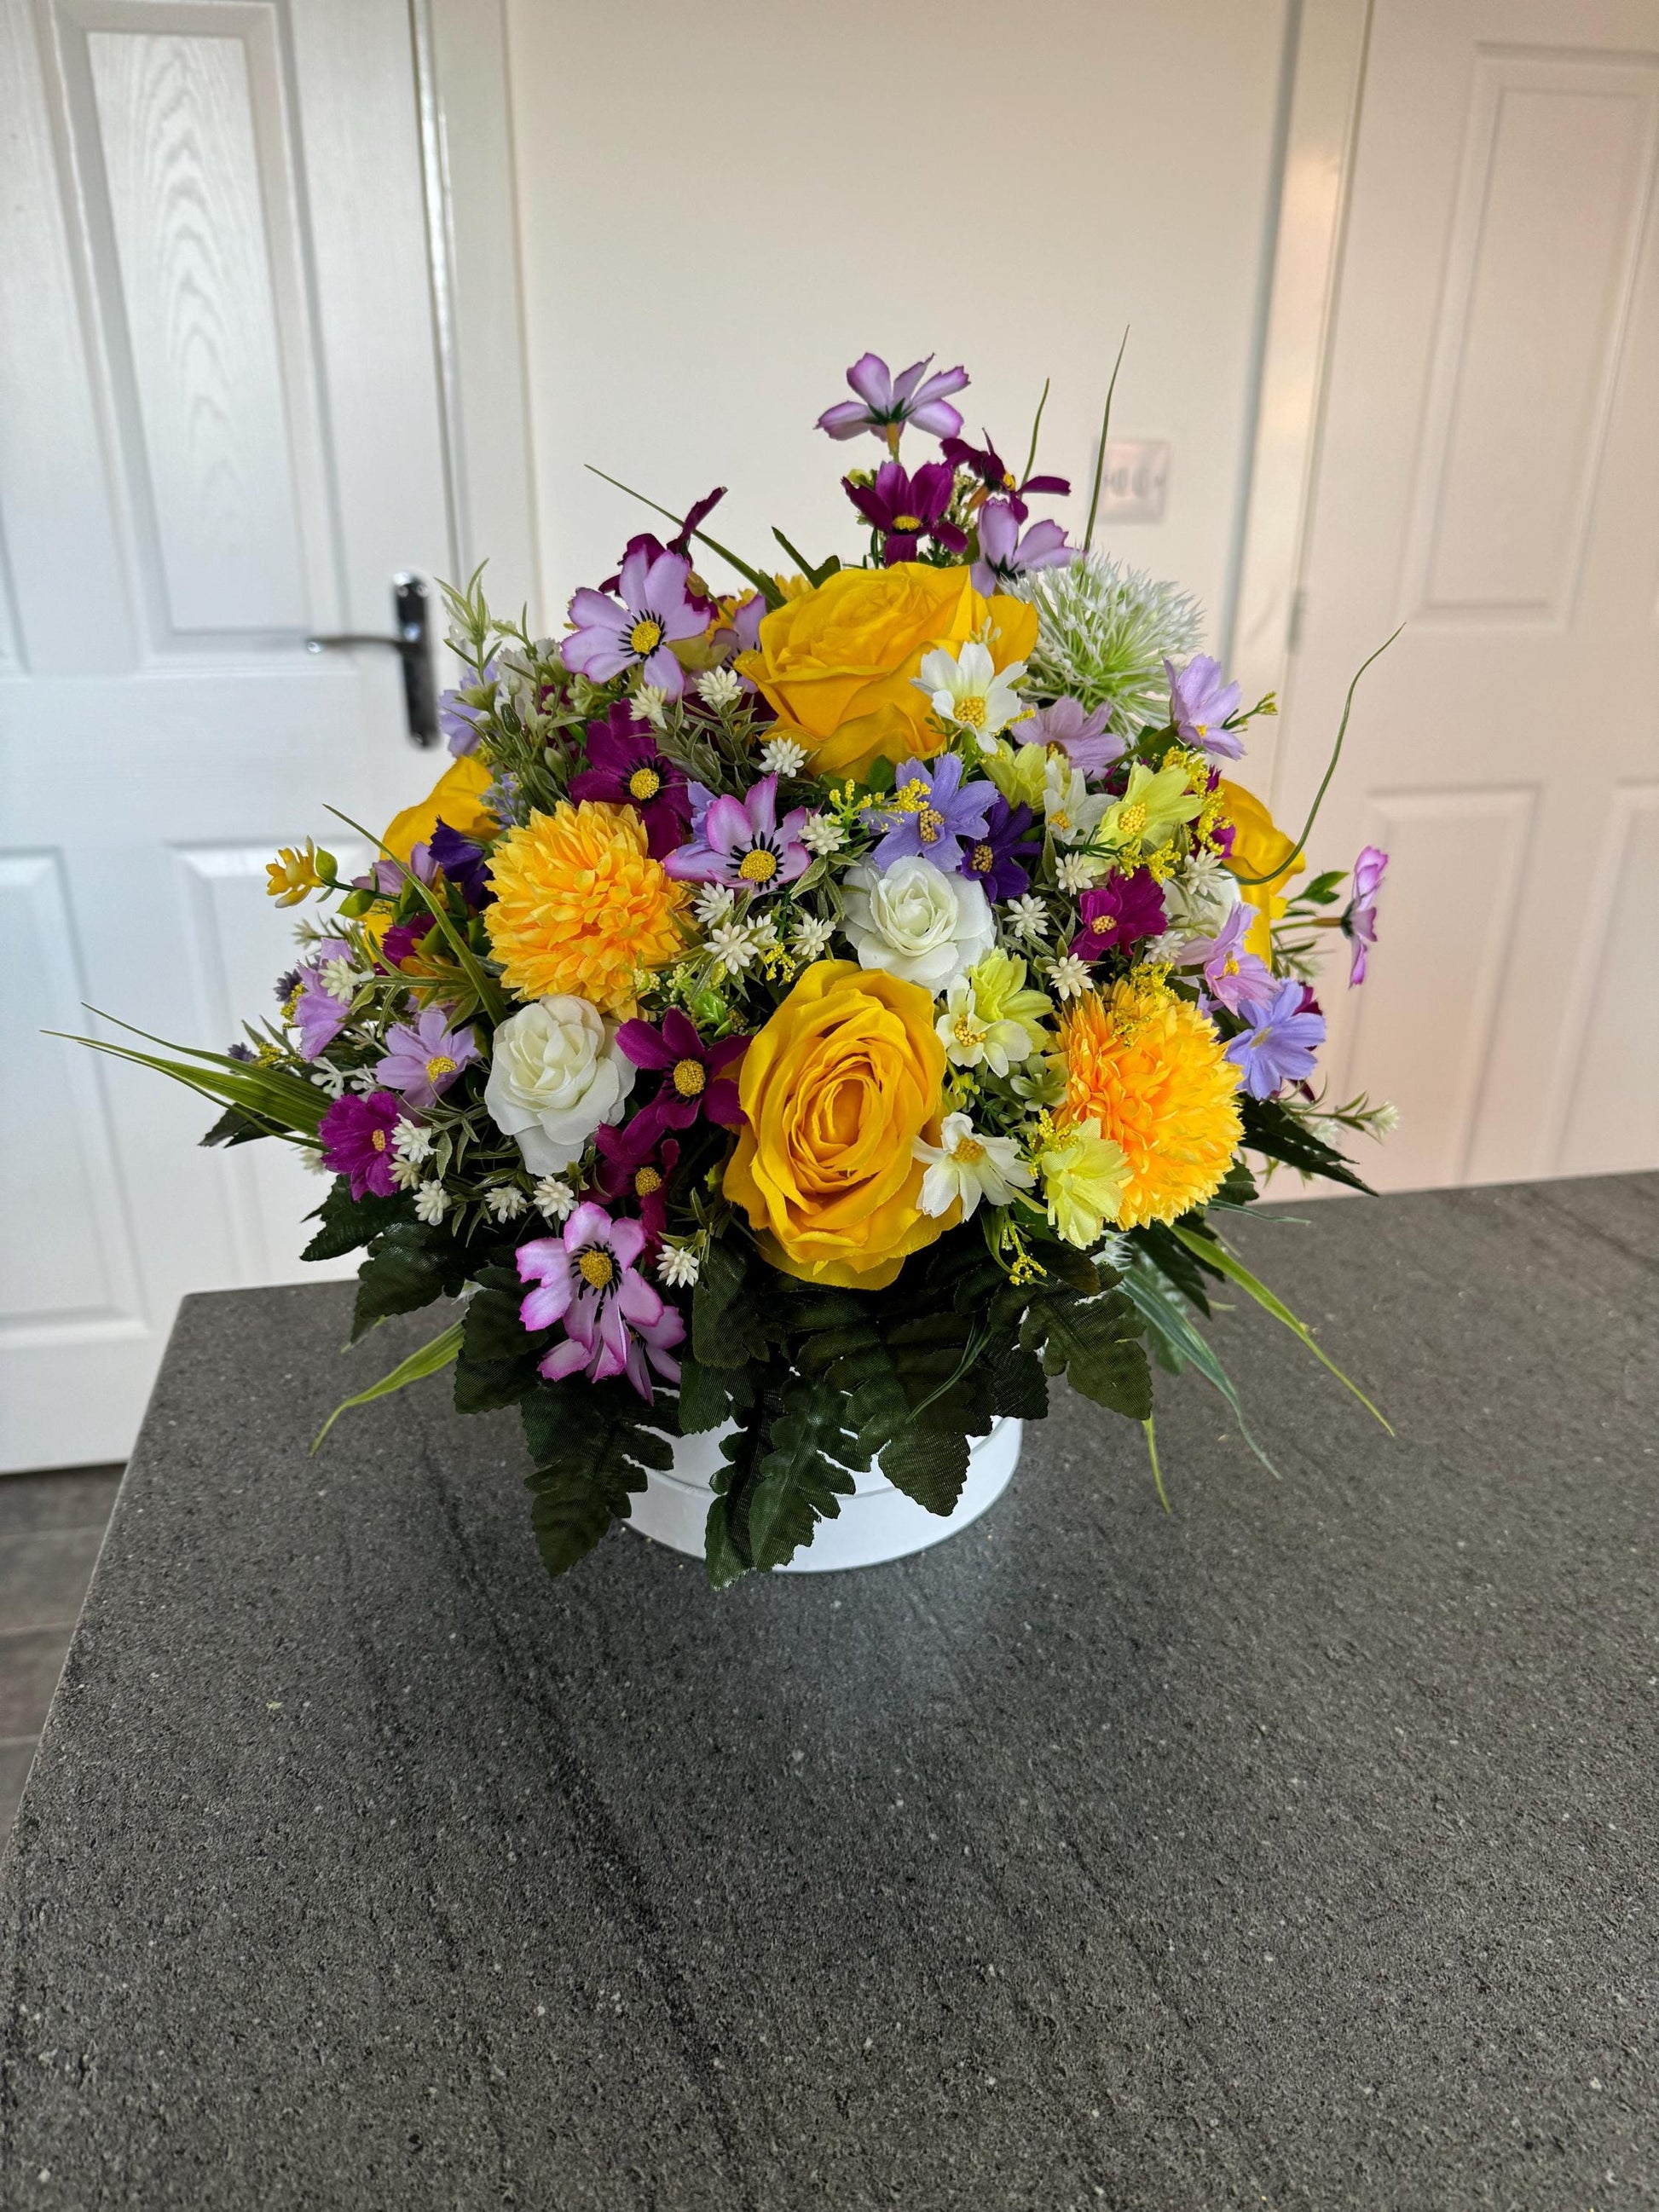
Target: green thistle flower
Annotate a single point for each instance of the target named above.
(1103, 632)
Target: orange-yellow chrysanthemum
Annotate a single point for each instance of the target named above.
(581, 907)
(1149, 1068)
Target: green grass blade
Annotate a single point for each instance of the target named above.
(288, 1104)
(1100, 457)
(430, 1359)
(1152, 1453)
(484, 985)
(1297, 851)
(1170, 1321)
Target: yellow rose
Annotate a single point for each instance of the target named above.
(836, 1089)
(1258, 844)
(456, 798)
(837, 664)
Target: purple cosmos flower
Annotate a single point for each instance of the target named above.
(614, 1321)
(356, 1139)
(402, 939)
(240, 1051)
(995, 474)
(318, 1014)
(906, 509)
(635, 1163)
(1200, 703)
(425, 1057)
(741, 841)
(1280, 1045)
(696, 1076)
(1084, 738)
(653, 615)
(625, 768)
(465, 863)
(1240, 981)
(647, 543)
(1359, 922)
(998, 861)
(1005, 555)
(886, 403)
(1118, 914)
(929, 814)
(455, 718)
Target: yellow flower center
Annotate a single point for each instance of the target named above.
(968, 1150)
(967, 1031)
(645, 637)
(596, 1267)
(1229, 966)
(907, 523)
(689, 1076)
(1061, 821)
(971, 710)
(982, 859)
(1202, 728)
(1132, 819)
(377, 1138)
(644, 783)
(646, 1183)
(1103, 924)
(929, 822)
(440, 1064)
(758, 867)
(1007, 479)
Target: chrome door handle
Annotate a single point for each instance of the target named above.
(410, 601)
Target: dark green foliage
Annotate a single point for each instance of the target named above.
(1172, 1260)
(797, 1482)
(1272, 1129)
(1020, 1388)
(233, 1127)
(497, 1361)
(348, 1223)
(594, 1445)
(1096, 1342)
(734, 1307)
(710, 1396)
(1323, 889)
(1237, 1187)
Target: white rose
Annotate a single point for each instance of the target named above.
(914, 921)
(554, 1077)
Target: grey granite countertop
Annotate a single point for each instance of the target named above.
(1297, 1848)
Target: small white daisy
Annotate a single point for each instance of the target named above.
(822, 834)
(678, 1266)
(340, 978)
(966, 688)
(968, 1166)
(363, 1081)
(1076, 872)
(783, 756)
(720, 688)
(1029, 917)
(407, 1174)
(554, 1198)
(410, 1140)
(813, 935)
(650, 702)
(713, 904)
(431, 1202)
(506, 1201)
(1069, 977)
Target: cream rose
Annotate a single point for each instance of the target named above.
(554, 1077)
(915, 921)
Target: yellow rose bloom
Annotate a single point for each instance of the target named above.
(457, 798)
(1259, 844)
(837, 664)
(836, 1089)
(580, 906)
(1151, 1074)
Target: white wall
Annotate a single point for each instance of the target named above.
(722, 204)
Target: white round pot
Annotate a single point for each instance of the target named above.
(876, 1524)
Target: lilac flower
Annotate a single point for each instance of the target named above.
(746, 621)
(455, 715)
(1000, 860)
(614, 1321)
(995, 474)
(906, 509)
(1084, 738)
(1359, 922)
(1280, 1042)
(1118, 914)
(653, 615)
(741, 841)
(930, 813)
(425, 1057)
(886, 403)
(1200, 703)
(1234, 978)
(1005, 555)
(355, 1134)
(318, 1014)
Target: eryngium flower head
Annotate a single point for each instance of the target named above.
(1103, 633)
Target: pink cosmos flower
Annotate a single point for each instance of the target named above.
(1360, 921)
(653, 615)
(1005, 555)
(886, 403)
(1240, 981)
(741, 841)
(424, 1057)
(614, 1321)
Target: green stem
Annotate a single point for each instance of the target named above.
(1030, 458)
(1330, 771)
(1100, 457)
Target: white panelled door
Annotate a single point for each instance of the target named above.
(220, 429)
(1489, 475)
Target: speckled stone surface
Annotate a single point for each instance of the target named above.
(1297, 1848)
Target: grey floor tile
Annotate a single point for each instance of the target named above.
(64, 1498)
(15, 1757)
(31, 1660)
(44, 1577)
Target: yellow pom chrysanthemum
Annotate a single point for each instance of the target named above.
(580, 906)
(1149, 1069)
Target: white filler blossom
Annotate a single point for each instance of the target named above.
(554, 1200)
(713, 903)
(678, 1267)
(736, 944)
(411, 1140)
(1069, 976)
(650, 702)
(431, 1202)
(969, 1166)
(720, 688)
(811, 938)
(1028, 917)
(822, 834)
(782, 756)
(506, 1201)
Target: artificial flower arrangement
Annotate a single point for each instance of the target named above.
(825, 1011)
